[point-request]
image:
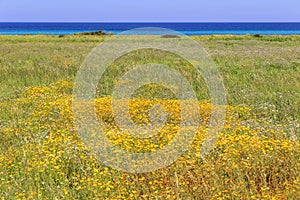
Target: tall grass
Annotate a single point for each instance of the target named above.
(256, 157)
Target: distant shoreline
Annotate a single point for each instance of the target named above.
(214, 28)
(111, 33)
(99, 38)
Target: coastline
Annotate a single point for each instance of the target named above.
(188, 33)
(230, 28)
(90, 37)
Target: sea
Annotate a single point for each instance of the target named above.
(183, 28)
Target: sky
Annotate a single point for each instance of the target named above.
(149, 10)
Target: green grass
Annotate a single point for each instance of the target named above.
(262, 73)
(256, 157)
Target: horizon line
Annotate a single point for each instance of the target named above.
(149, 22)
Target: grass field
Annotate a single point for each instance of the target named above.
(256, 157)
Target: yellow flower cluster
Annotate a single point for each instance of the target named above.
(42, 156)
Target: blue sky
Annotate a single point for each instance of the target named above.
(150, 10)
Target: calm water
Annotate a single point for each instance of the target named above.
(185, 28)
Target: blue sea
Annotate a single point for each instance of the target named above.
(184, 28)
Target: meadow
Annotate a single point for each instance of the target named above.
(256, 157)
